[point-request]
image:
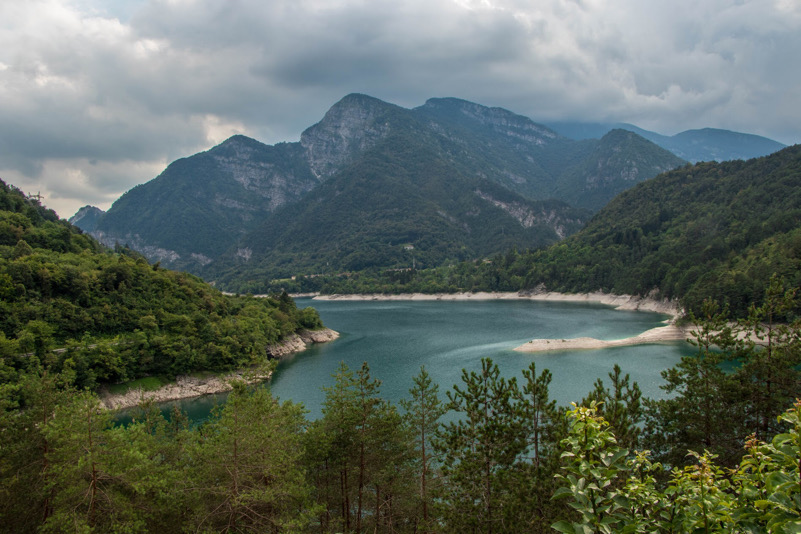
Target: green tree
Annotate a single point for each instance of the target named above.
(546, 426)
(769, 347)
(479, 453)
(705, 410)
(423, 412)
(28, 406)
(246, 466)
(92, 469)
(337, 434)
(592, 461)
(359, 456)
(620, 406)
(613, 494)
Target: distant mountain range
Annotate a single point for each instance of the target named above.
(374, 185)
(707, 144)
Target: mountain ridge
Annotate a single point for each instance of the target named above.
(694, 145)
(202, 207)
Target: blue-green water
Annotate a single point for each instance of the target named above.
(396, 337)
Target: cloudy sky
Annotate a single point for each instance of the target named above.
(97, 96)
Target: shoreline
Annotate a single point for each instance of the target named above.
(619, 302)
(187, 386)
(661, 334)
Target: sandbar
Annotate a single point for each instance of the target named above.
(660, 334)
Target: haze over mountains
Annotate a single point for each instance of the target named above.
(706, 144)
(376, 185)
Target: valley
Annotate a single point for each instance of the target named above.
(438, 241)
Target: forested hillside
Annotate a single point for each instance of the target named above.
(116, 316)
(709, 230)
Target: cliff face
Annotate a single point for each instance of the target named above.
(268, 176)
(352, 126)
(191, 213)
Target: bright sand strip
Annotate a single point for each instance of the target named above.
(655, 335)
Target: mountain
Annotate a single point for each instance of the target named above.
(405, 205)
(86, 218)
(243, 197)
(711, 230)
(707, 144)
(192, 211)
(711, 144)
(620, 160)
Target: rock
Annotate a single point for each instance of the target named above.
(187, 386)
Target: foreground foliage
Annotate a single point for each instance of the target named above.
(507, 460)
(614, 491)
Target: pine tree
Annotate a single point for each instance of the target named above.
(620, 406)
(480, 452)
(769, 347)
(546, 426)
(246, 466)
(423, 412)
(92, 469)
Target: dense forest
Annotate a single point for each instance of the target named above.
(510, 461)
(112, 316)
(710, 230)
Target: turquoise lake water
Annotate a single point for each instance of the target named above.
(396, 337)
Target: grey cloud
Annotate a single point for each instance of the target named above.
(80, 85)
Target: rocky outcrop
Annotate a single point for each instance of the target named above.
(528, 218)
(186, 386)
(351, 126)
(86, 218)
(301, 341)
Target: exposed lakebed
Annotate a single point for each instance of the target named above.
(396, 337)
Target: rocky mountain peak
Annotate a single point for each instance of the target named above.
(352, 125)
(86, 218)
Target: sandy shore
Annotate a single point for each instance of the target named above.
(186, 386)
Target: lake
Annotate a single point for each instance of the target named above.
(396, 337)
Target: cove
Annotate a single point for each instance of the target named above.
(396, 337)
